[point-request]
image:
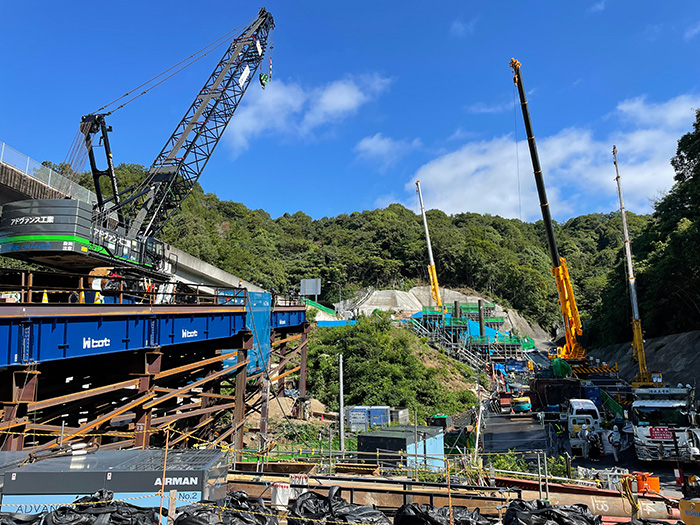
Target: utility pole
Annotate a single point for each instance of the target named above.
(342, 408)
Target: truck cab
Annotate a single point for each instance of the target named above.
(664, 424)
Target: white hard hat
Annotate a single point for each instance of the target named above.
(584, 426)
(615, 428)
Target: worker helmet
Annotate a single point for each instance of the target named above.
(615, 429)
(584, 426)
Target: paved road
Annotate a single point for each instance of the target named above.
(503, 433)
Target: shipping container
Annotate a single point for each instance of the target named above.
(440, 420)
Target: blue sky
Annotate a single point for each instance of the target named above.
(366, 97)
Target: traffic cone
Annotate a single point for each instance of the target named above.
(98, 298)
(82, 297)
(45, 297)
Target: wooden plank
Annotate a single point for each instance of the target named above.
(286, 340)
(193, 366)
(77, 396)
(200, 382)
(163, 421)
(87, 427)
(290, 371)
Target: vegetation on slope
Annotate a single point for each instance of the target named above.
(384, 365)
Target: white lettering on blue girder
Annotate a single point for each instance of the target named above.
(189, 333)
(89, 343)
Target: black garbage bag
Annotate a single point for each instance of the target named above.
(99, 509)
(241, 509)
(538, 512)
(236, 509)
(464, 516)
(18, 518)
(202, 513)
(415, 514)
(313, 506)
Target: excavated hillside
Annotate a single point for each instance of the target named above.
(675, 356)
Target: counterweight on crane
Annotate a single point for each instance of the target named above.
(644, 377)
(572, 349)
(121, 229)
(434, 287)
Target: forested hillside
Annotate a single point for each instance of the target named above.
(503, 258)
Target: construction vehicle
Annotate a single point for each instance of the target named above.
(432, 273)
(572, 349)
(665, 424)
(644, 377)
(120, 229)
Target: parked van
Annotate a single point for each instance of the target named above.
(580, 409)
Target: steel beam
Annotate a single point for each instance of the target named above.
(83, 394)
(163, 421)
(196, 384)
(239, 409)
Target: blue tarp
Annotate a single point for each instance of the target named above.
(259, 304)
(336, 323)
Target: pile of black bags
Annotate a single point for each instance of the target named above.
(99, 509)
(322, 509)
(237, 509)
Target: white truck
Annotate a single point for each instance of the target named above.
(580, 412)
(665, 424)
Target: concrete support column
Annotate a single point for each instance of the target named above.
(24, 386)
(142, 428)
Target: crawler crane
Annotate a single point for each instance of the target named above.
(120, 230)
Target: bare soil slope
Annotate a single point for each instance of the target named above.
(676, 356)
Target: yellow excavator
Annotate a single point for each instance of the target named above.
(434, 287)
(572, 349)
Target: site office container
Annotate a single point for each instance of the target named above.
(360, 418)
(400, 416)
(397, 445)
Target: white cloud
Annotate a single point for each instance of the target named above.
(597, 7)
(293, 110)
(342, 98)
(482, 176)
(480, 107)
(672, 114)
(384, 150)
(461, 29)
(692, 32)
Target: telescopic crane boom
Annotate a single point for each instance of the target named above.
(434, 287)
(572, 349)
(644, 377)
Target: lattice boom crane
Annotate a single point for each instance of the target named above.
(120, 230)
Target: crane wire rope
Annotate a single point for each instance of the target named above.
(77, 155)
(517, 153)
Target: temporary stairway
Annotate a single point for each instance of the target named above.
(457, 350)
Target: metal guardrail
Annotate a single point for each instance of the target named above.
(45, 175)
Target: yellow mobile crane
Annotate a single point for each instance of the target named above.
(572, 349)
(644, 377)
(435, 289)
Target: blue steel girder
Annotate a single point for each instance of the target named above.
(38, 333)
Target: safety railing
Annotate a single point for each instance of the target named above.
(44, 174)
(30, 287)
